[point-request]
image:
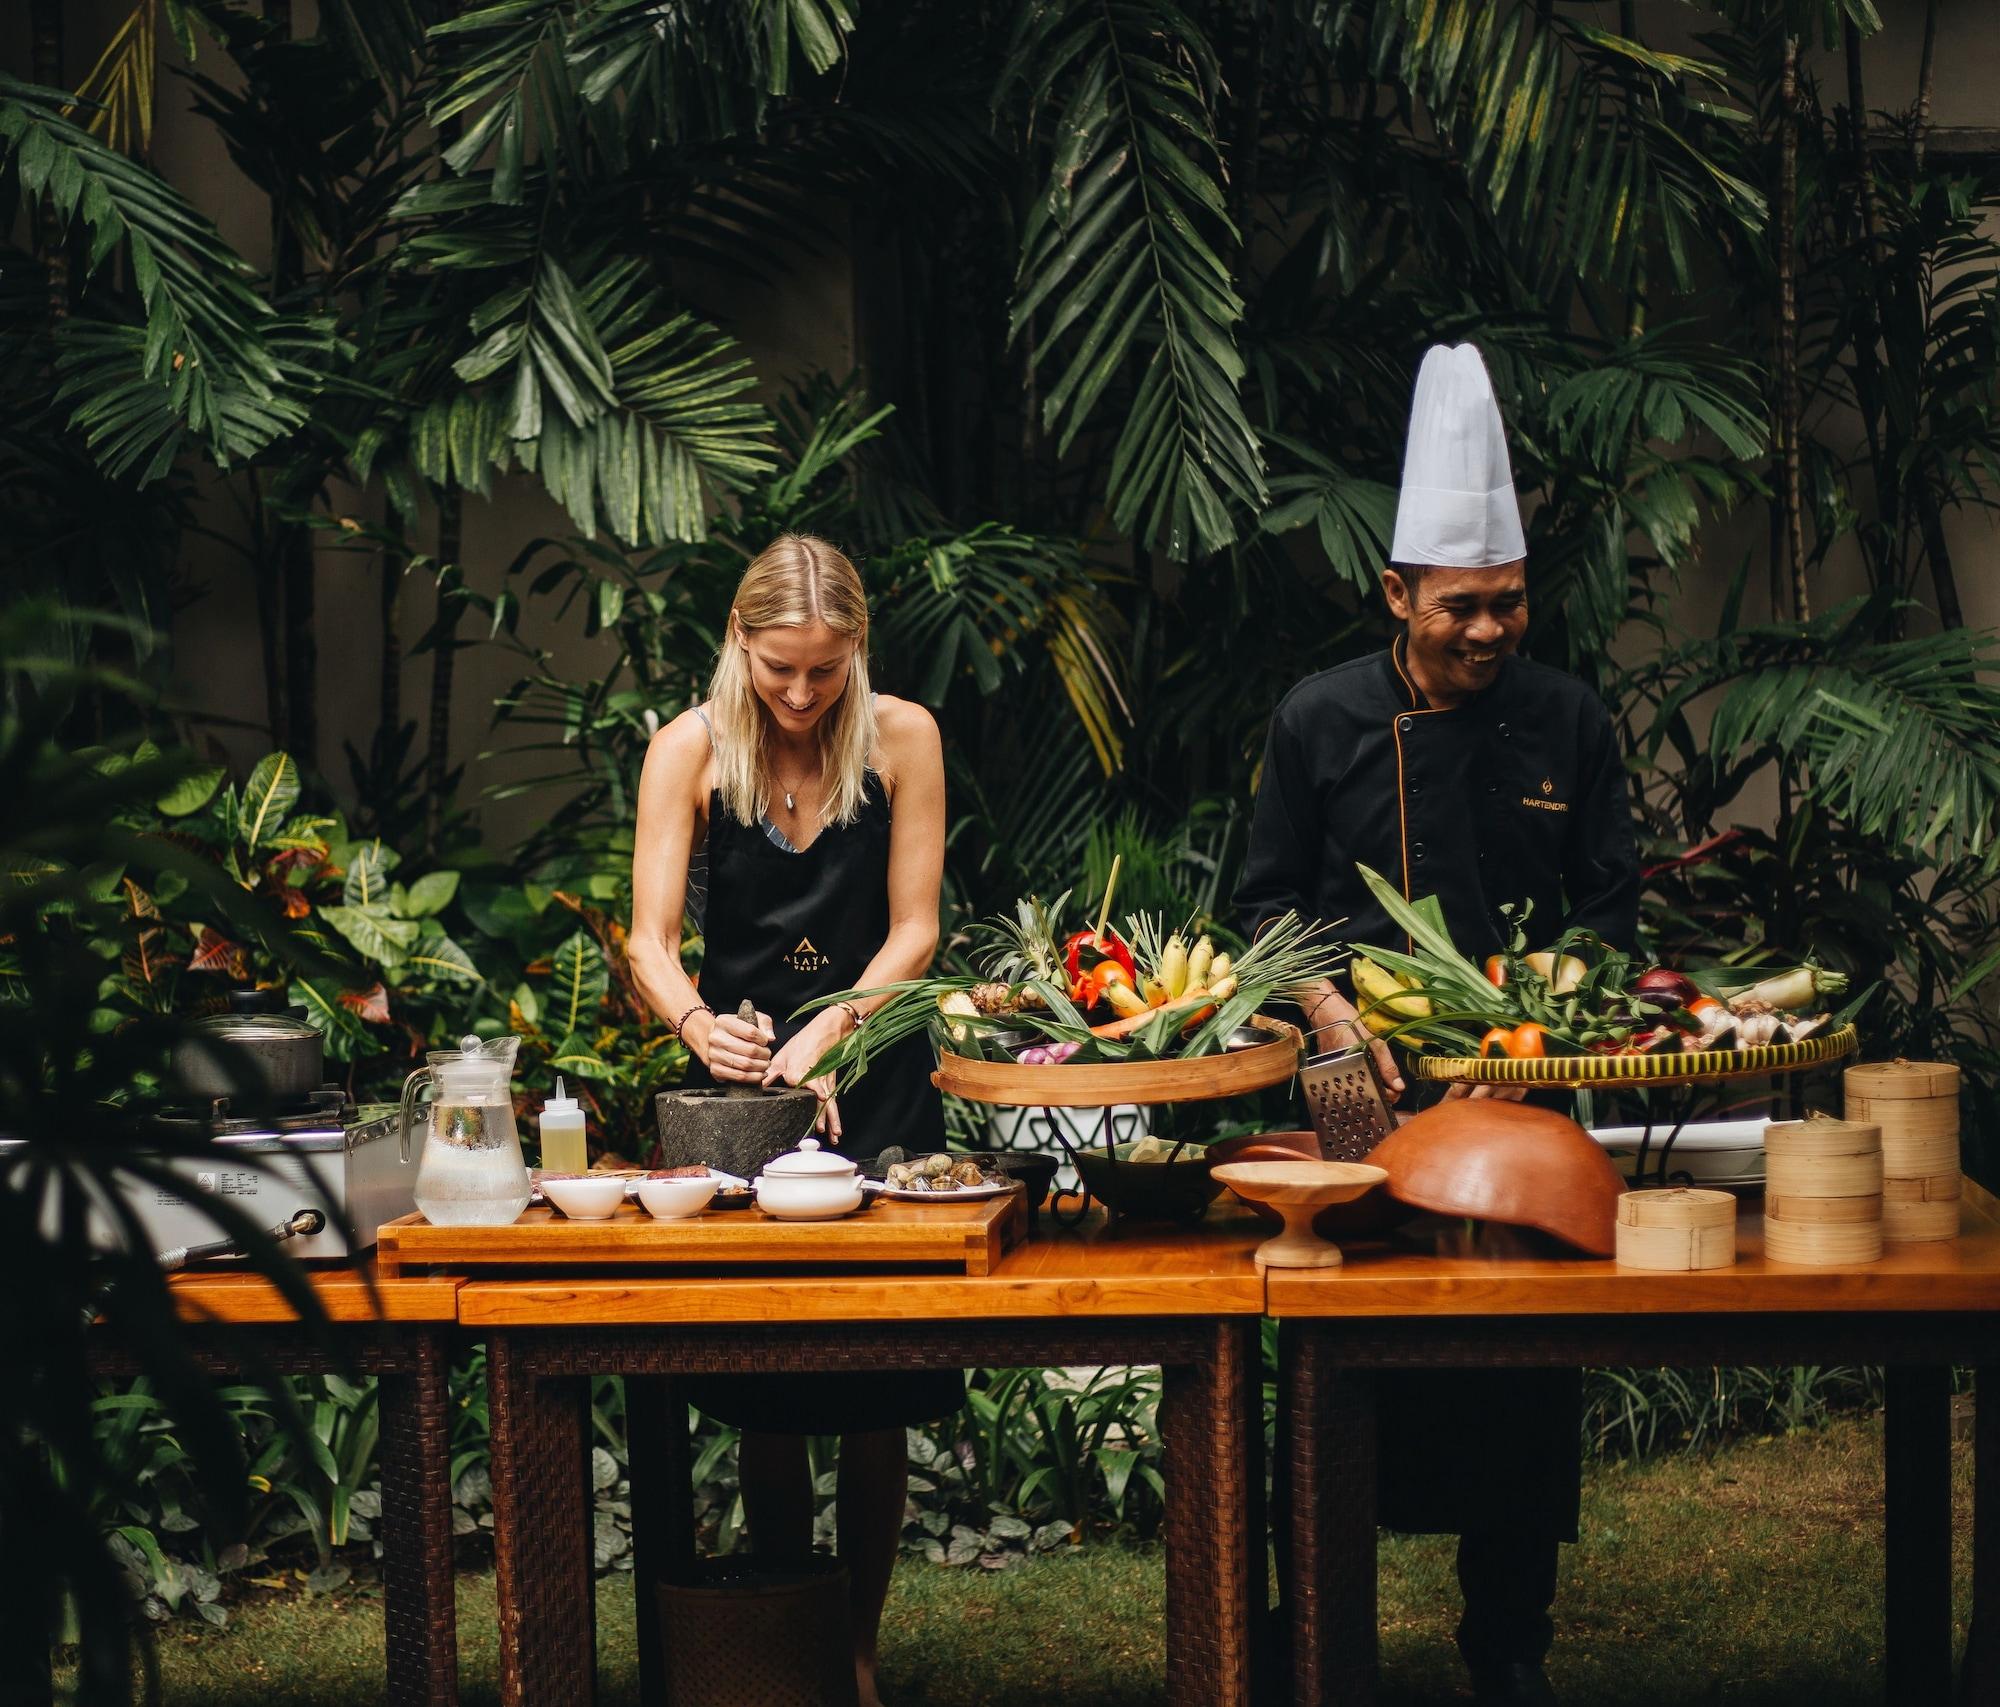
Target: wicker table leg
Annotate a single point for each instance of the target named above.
(1917, 1499)
(1979, 1679)
(1331, 1572)
(1213, 1517)
(419, 1602)
(541, 1533)
(656, 1443)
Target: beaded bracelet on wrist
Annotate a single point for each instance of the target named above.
(680, 1025)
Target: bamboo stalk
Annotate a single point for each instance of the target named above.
(1110, 889)
(1789, 409)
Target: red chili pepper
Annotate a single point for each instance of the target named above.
(1108, 947)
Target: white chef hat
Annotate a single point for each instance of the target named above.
(1457, 508)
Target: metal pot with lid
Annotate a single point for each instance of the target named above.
(255, 1044)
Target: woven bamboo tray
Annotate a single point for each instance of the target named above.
(1679, 1068)
(967, 1237)
(1099, 1084)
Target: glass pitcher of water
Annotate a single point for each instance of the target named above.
(471, 1173)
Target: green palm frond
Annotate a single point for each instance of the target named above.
(631, 414)
(970, 605)
(505, 70)
(1578, 140)
(205, 346)
(531, 79)
(1353, 516)
(1658, 387)
(1899, 737)
(129, 421)
(1124, 271)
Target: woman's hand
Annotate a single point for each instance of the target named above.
(1335, 1025)
(736, 1051)
(791, 1064)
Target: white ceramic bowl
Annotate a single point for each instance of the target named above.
(676, 1199)
(810, 1197)
(585, 1197)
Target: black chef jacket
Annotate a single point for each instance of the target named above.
(1516, 795)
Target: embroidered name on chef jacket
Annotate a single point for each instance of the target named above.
(806, 958)
(1545, 804)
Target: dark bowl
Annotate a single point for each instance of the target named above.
(1035, 1169)
(1180, 1190)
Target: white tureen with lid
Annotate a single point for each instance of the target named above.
(808, 1184)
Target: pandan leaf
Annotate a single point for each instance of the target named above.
(271, 792)
(191, 793)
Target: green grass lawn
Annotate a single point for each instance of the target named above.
(1752, 1577)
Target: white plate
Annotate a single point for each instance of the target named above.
(1718, 1152)
(957, 1194)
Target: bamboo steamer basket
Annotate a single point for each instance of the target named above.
(1823, 1191)
(1916, 1105)
(1676, 1229)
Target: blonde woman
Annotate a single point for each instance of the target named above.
(817, 810)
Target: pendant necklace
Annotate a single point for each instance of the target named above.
(791, 803)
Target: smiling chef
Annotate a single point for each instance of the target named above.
(1456, 768)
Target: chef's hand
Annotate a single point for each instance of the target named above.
(1335, 1025)
(1499, 1093)
(737, 1051)
(791, 1064)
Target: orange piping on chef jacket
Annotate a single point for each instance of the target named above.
(1396, 735)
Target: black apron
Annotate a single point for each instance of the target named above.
(781, 928)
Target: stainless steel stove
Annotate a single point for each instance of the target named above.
(320, 1152)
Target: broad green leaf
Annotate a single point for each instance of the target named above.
(431, 893)
(271, 792)
(437, 956)
(577, 982)
(368, 868)
(575, 1055)
(375, 933)
(191, 793)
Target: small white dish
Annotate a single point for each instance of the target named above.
(676, 1199)
(585, 1197)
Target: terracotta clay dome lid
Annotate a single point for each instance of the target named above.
(1506, 1161)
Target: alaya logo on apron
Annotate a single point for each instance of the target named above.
(806, 958)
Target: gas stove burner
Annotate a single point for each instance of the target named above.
(329, 1107)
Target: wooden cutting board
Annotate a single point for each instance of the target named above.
(967, 1238)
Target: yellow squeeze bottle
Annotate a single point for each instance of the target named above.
(561, 1126)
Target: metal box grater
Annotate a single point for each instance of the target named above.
(1345, 1101)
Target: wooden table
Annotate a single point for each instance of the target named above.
(400, 1332)
(1919, 1310)
(1191, 1302)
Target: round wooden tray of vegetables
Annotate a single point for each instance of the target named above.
(1059, 1018)
(1582, 1013)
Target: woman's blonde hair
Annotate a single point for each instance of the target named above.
(794, 581)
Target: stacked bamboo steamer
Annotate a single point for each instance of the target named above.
(1822, 1191)
(1915, 1103)
(1676, 1228)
